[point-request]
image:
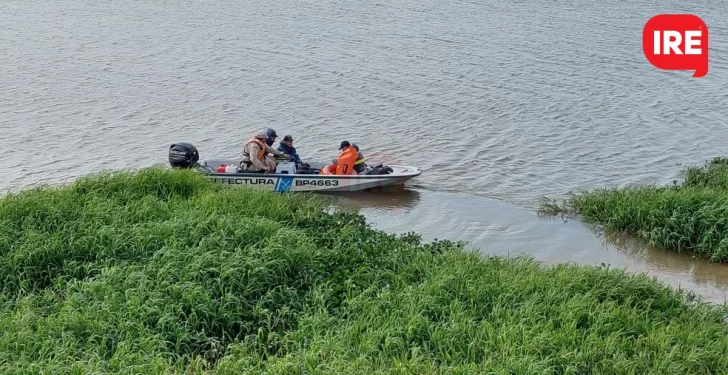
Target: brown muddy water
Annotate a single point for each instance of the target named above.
(498, 102)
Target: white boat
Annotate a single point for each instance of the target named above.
(285, 178)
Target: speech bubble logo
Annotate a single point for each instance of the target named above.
(676, 42)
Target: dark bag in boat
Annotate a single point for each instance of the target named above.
(305, 168)
(380, 170)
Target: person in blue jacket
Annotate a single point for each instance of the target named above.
(286, 146)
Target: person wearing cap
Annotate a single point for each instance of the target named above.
(286, 146)
(255, 154)
(270, 140)
(347, 158)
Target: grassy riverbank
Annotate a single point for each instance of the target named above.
(689, 216)
(160, 272)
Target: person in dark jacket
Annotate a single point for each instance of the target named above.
(272, 135)
(286, 146)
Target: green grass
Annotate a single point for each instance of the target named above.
(159, 271)
(714, 174)
(690, 216)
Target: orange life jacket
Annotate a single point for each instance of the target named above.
(263, 150)
(345, 163)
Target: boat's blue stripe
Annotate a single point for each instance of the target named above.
(284, 184)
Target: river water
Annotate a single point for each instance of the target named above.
(498, 102)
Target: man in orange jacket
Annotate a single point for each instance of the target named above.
(347, 159)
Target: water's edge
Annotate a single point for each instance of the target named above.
(493, 227)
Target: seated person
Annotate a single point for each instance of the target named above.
(286, 146)
(345, 162)
(271, 136)
(256, 155)
(359, 165)
(269, 140)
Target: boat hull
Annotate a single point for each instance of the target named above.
(312, 182)
(301, 183)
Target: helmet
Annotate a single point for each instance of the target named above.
(271, 134)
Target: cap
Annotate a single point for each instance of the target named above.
(272, 133)
(344, 144)
(288, 138)
(355, 146)
(261, 135)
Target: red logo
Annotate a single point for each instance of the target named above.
(676, 42)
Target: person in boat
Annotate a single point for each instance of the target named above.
(256, 155)
(345, 162)
(270, 140)
(286, 146)
(271, 136)
(359, 165)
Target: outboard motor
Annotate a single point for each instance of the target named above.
(183, 155)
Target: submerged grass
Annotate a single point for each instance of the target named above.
(159, 271)
(691, 216)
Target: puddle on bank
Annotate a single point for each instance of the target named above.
(498, 228)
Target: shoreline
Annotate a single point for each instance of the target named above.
(493, 227)
(683, 217)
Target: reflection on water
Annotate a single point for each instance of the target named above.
(498, 228)
(394, 202)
